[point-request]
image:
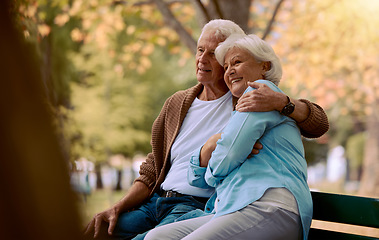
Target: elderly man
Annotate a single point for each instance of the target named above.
(188, 118)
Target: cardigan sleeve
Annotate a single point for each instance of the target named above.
(316, 124)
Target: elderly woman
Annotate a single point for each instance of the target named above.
(265, 196)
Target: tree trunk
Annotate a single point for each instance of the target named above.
(370, 175)
(99, 181)
(238, 11)
(34, 176)
(119, 180)
(173, 23)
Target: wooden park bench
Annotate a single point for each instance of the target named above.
(337, 208)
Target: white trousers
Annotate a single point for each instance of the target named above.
(256, 221)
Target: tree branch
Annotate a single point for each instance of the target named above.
(272, 20)
(148, 2)
(172, 22)
(217, 8)
(203, 10)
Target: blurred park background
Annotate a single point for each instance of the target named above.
(106, 67)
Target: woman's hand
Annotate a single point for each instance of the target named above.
(257, 146)
(207, 149)
(210, 146)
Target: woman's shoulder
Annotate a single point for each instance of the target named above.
(269, 83)
(266, 82)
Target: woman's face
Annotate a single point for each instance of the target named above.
(240, 68)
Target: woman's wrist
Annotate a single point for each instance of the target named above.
(205, 155)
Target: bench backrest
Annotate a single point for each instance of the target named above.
(346, 209)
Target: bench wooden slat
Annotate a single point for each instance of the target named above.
(340, 208)
(319, 234)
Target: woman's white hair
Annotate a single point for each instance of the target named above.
(222, 28)
(259, 49)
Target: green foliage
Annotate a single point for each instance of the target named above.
(108, 69)
(109, 66)
(314, 151)
(355, 150)
(114, 101)
(329, 56)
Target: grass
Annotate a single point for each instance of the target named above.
(96, 202)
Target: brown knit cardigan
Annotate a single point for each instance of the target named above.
(167, 125)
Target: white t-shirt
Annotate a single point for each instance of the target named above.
(204, 119)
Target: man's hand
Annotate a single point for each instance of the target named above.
(262, 99)
(257, 146)
(110, 216)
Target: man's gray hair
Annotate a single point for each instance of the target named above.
(259, 49)
(222, 28)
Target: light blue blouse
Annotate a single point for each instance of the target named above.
(239, 180)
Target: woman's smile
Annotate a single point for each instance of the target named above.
(236, 80)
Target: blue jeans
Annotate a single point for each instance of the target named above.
(157, 211)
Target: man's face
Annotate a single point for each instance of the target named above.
(208, 70)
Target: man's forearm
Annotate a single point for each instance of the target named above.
(138, 193)
(301, 111)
